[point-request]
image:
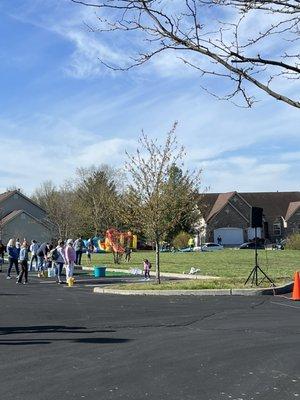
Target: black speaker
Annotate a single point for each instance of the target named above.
(256, 218)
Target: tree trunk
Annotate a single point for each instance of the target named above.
(157, 261)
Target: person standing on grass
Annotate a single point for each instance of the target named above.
(33, 249)
(70, 258)
(78, 246)
(147, 267)
(23, 258)
(89, 252)
(13, 255)
(59, 262)
(127, 253)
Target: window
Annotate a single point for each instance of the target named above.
(277, 228)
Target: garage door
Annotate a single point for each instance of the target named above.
(230, 236)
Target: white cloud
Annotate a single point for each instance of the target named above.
(291, 156)
(85, 60)
(242, 174)
(109, 151)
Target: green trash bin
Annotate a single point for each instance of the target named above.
(99, 271)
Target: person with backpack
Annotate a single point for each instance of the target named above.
(147, 267)
(48, 259)
(13, 255)
(78, 246)
(23, 258)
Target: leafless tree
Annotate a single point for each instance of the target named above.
(150, 200)
(246, 43)
(58, 202)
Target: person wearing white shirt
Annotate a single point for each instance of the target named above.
(33, 249)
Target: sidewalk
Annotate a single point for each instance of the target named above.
(162, 274)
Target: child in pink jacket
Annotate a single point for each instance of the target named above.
(70, 257)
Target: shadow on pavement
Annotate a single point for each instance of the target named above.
(26, 342)
(101, 340)
(9, 330)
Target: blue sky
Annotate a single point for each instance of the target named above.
(61, 109)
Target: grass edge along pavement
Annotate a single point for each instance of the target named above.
(231, 266)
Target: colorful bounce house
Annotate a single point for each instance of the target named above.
(114, 241)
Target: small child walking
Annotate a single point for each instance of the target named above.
(147, 267)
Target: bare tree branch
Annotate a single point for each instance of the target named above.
(196, 29)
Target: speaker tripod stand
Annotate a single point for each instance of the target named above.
(256, 269)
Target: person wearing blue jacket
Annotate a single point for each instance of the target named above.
(13, 255)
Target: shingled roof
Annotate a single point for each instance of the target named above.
(274, 204)
(221, 201)
(9, 217)
(293, 207)
(6, 195)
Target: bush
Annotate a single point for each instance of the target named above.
(181, 240)
(293, 242)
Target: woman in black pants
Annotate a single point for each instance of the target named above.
(13, 254)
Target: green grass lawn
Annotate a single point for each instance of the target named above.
(232, 266)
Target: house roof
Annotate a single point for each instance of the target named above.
(274, 204)
(221, 201)
(6, 195)
(206, 203)
(293, 207)
(9, 217)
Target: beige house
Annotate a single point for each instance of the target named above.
(21, 218)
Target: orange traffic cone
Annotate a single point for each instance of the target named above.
(296, 289)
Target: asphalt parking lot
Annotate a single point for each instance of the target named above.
(68, 343)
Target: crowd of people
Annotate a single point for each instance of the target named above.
(23, 257)
(26, 257)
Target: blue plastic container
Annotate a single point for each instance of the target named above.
(99, 271)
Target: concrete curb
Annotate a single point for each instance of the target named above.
(204, 292)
